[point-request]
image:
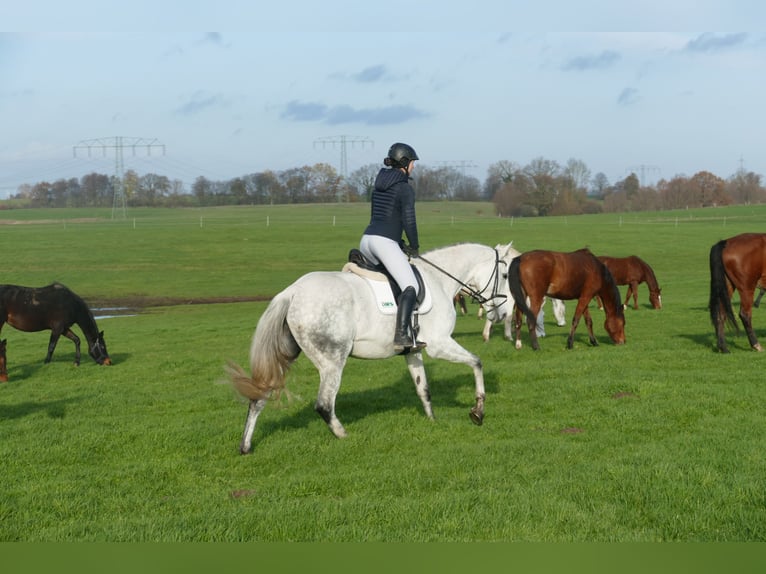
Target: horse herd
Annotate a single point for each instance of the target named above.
(331, 316)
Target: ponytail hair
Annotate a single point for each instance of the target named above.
(391, 162)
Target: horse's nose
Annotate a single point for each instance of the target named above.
(107, 361)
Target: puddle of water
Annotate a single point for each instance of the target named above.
(112, 312)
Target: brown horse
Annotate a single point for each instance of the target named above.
(53, 308)
(576, 275)
(737, 263)
(631, 271)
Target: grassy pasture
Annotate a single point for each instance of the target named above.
(659, 440)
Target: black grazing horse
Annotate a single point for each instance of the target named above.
(53, 307)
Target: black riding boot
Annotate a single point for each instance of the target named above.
(403, 337)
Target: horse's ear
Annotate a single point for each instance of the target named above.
(101, 335)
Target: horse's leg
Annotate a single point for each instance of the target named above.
(559, 311)
(580, 310)
(508, 326)
(255, 408)
(418, 373)
(69, 334)
(589, 325)
(757, 301)
(52, 345)
(599, 303)
(517, 326)
(330, 373)
(534, 306)
(448, 349)
(632, 289)
(746, 315)
(487, 330)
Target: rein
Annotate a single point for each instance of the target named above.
(475, 295)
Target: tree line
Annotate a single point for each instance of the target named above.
(542, 187)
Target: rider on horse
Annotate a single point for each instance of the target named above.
(393, 213)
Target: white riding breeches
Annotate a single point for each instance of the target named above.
(379, 249)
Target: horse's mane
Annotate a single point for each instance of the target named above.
(609, 283)
(458, 244)
(83, 306)
(650, 277)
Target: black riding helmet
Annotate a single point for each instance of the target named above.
(401, 154)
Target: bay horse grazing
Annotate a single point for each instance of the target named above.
(737, 263)
(53, 307)
(576, 275)
(632, 271)
(332, 316)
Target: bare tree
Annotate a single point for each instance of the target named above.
(599, 184)
(578, 172)
(363, 180)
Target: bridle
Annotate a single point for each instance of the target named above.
(477, 296)
(97, 351)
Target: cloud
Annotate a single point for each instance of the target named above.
(628, 97)
(711, 43)
(594, 62)
(370, 74)
(199, 102)
(214, 38)
(345, 114)
(300, 112)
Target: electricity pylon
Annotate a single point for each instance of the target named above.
(343, 141)
(118, 144)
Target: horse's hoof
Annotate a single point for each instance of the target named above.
(758, 347)
(477, 417)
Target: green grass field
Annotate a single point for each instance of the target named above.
(659, 440)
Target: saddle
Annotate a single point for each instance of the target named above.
(357, 258)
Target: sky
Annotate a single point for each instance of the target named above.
(296, 83)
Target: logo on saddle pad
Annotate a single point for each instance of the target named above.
(382, 292)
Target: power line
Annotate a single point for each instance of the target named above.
(343, 141)
(461, 165)
(118, 145)
(643, 169)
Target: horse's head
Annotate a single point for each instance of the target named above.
(3, 368)
(615, 326)
(497, 305)
(98, 351)
(655, 298)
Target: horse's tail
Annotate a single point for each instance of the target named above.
(272, 351)
(720, 301)
(517, 291)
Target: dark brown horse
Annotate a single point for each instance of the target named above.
(576, 275)
(57, 308)
(631, 271)
(737, 263)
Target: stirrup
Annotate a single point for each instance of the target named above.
(408, 345)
